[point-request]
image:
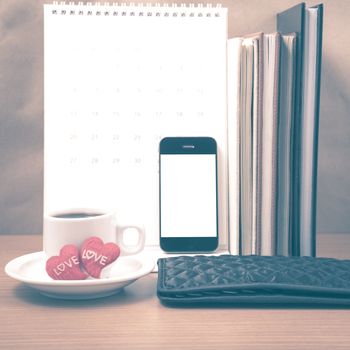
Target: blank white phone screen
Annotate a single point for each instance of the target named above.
(188, 195)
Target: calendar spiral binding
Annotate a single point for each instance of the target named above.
(136, 10)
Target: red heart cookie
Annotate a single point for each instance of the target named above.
(95, 255)
(66, 266)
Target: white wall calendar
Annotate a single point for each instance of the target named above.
(118, 78)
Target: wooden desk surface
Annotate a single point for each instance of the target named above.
(136, 320)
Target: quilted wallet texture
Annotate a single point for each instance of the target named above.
(253, 280)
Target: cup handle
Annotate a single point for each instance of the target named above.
(126, 249)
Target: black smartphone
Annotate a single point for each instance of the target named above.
(188, 194)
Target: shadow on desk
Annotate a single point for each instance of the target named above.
(139, 292)
(276, 306)
(127, 297)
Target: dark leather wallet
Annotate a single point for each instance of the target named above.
(253, 280)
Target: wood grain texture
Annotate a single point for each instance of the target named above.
(135, 319)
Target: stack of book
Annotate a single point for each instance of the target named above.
(273, 113)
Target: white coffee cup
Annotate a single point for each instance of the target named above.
(74, 226)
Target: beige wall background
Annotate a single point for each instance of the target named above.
(21, 108)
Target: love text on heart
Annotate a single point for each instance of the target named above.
(99, 258)
(73, 260)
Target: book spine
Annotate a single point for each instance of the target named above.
(233, 92)
(309, 135)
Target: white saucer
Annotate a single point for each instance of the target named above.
(30, 269)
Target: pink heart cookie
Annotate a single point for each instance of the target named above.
(95, 255)
(66, 266)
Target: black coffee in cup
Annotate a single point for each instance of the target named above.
(77, 215)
